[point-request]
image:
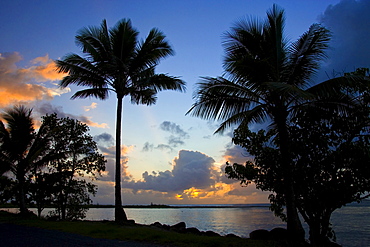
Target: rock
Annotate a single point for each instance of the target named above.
(211, 234)
(192, 230)
(179, 227)
(231, 235)
(260, 234)
(279, 234)
(157, 224)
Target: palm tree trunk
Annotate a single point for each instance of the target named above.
(294, 225)
(119, 213)
(20, 175)
(22, 196)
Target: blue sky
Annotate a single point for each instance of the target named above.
(168, 157)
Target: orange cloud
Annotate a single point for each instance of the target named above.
(90, 107)
(24, 85)
(93, 124)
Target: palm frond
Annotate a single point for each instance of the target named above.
(254, 115)
(124, 42)
(80, 71)
(160, 82)
(274, 40)
(150, 51)
(218, 98)
(100, 93)
(95, 42)
(306, 54)
(145, 96)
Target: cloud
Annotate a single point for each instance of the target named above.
(25, 85)
(105, 138)
(194, 178)
(106, 146)
(190, 169)
(236, 154)
(173, 128)
(47, 108)
(90, 107)
(176, 139)
(149, 147)
(348, 21)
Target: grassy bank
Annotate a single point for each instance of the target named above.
(134, 232)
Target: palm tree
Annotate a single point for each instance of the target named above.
(268, 79)
(21, 148)
(115, 61)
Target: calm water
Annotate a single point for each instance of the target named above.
(351, 223)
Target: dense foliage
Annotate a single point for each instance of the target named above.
(331, 162)
(267, 80)
(53, 166)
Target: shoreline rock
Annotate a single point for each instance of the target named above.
(181, 228)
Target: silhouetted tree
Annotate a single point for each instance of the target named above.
(268, 81)
(21, 148)
(62, 184)
(116, 61)
(7, 187)
(330, 155)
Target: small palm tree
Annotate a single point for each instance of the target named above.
(268, 81)
(116, 61)
(21, 148)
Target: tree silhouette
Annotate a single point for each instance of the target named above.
(21, 148)
(116, 61)
(268, 82)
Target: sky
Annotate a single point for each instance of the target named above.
(168, 157)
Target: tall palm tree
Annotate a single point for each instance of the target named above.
(267, 79)
(116, 61)
(21, 148)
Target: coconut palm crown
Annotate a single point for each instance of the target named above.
(266, 79)
(115, 60)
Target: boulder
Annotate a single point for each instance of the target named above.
(179, 227)
(231, 235)
(157, 224)
(192, 230)
(210, 234)
(260, 234)
(279, 234)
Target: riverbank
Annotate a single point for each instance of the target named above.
(136, 233)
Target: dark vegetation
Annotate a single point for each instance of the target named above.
(47, 167)
(314, 154)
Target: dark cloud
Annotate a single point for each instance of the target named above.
(176, 139)
(191, 169)
(47, 108)
(173, 128)
(236, 154)
(349, 23)
(104, 137)
(164, 147)
(147, 147)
